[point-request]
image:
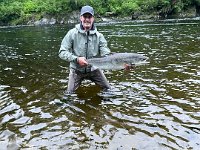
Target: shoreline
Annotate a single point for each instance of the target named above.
(104, 20)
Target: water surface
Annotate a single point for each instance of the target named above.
(154, 106)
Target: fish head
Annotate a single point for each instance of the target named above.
(143, 58)
(138, 59)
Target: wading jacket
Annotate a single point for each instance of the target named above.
(81, 43)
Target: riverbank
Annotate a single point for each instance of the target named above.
(45, 12)
(109, 16)
(68, 18)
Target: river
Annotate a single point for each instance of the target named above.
(156, 106)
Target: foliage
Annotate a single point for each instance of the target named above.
(23, 9)
(129, 7)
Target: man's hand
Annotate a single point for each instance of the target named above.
(128, 67)
(82, 61)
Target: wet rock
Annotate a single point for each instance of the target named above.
(135, 15)
(45, 21)
(52, 21)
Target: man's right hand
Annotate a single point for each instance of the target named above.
(82, 61)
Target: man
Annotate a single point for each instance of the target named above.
(79, 44)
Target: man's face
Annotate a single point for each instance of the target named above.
(87, 20)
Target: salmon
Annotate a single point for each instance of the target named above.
(117, 61)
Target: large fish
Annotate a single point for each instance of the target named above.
(117, 61)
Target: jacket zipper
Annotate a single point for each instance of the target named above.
(86, 55)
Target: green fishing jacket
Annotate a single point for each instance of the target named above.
(81, 43)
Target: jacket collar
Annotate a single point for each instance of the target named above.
(79, 27)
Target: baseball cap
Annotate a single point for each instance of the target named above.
(87, 9)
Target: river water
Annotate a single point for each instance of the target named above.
(155, 106)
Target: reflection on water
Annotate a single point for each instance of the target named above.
(156, 105)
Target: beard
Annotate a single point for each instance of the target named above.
(87, 25)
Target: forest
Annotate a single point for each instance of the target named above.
(14, 12)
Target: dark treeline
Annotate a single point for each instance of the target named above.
(21, 11)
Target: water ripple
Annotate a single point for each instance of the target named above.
(156, 105)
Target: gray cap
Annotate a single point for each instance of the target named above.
(87, 9)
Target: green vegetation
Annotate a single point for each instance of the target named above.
(21, 11)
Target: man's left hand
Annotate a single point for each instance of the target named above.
(128, 67)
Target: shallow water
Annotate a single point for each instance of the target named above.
(155, 106)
